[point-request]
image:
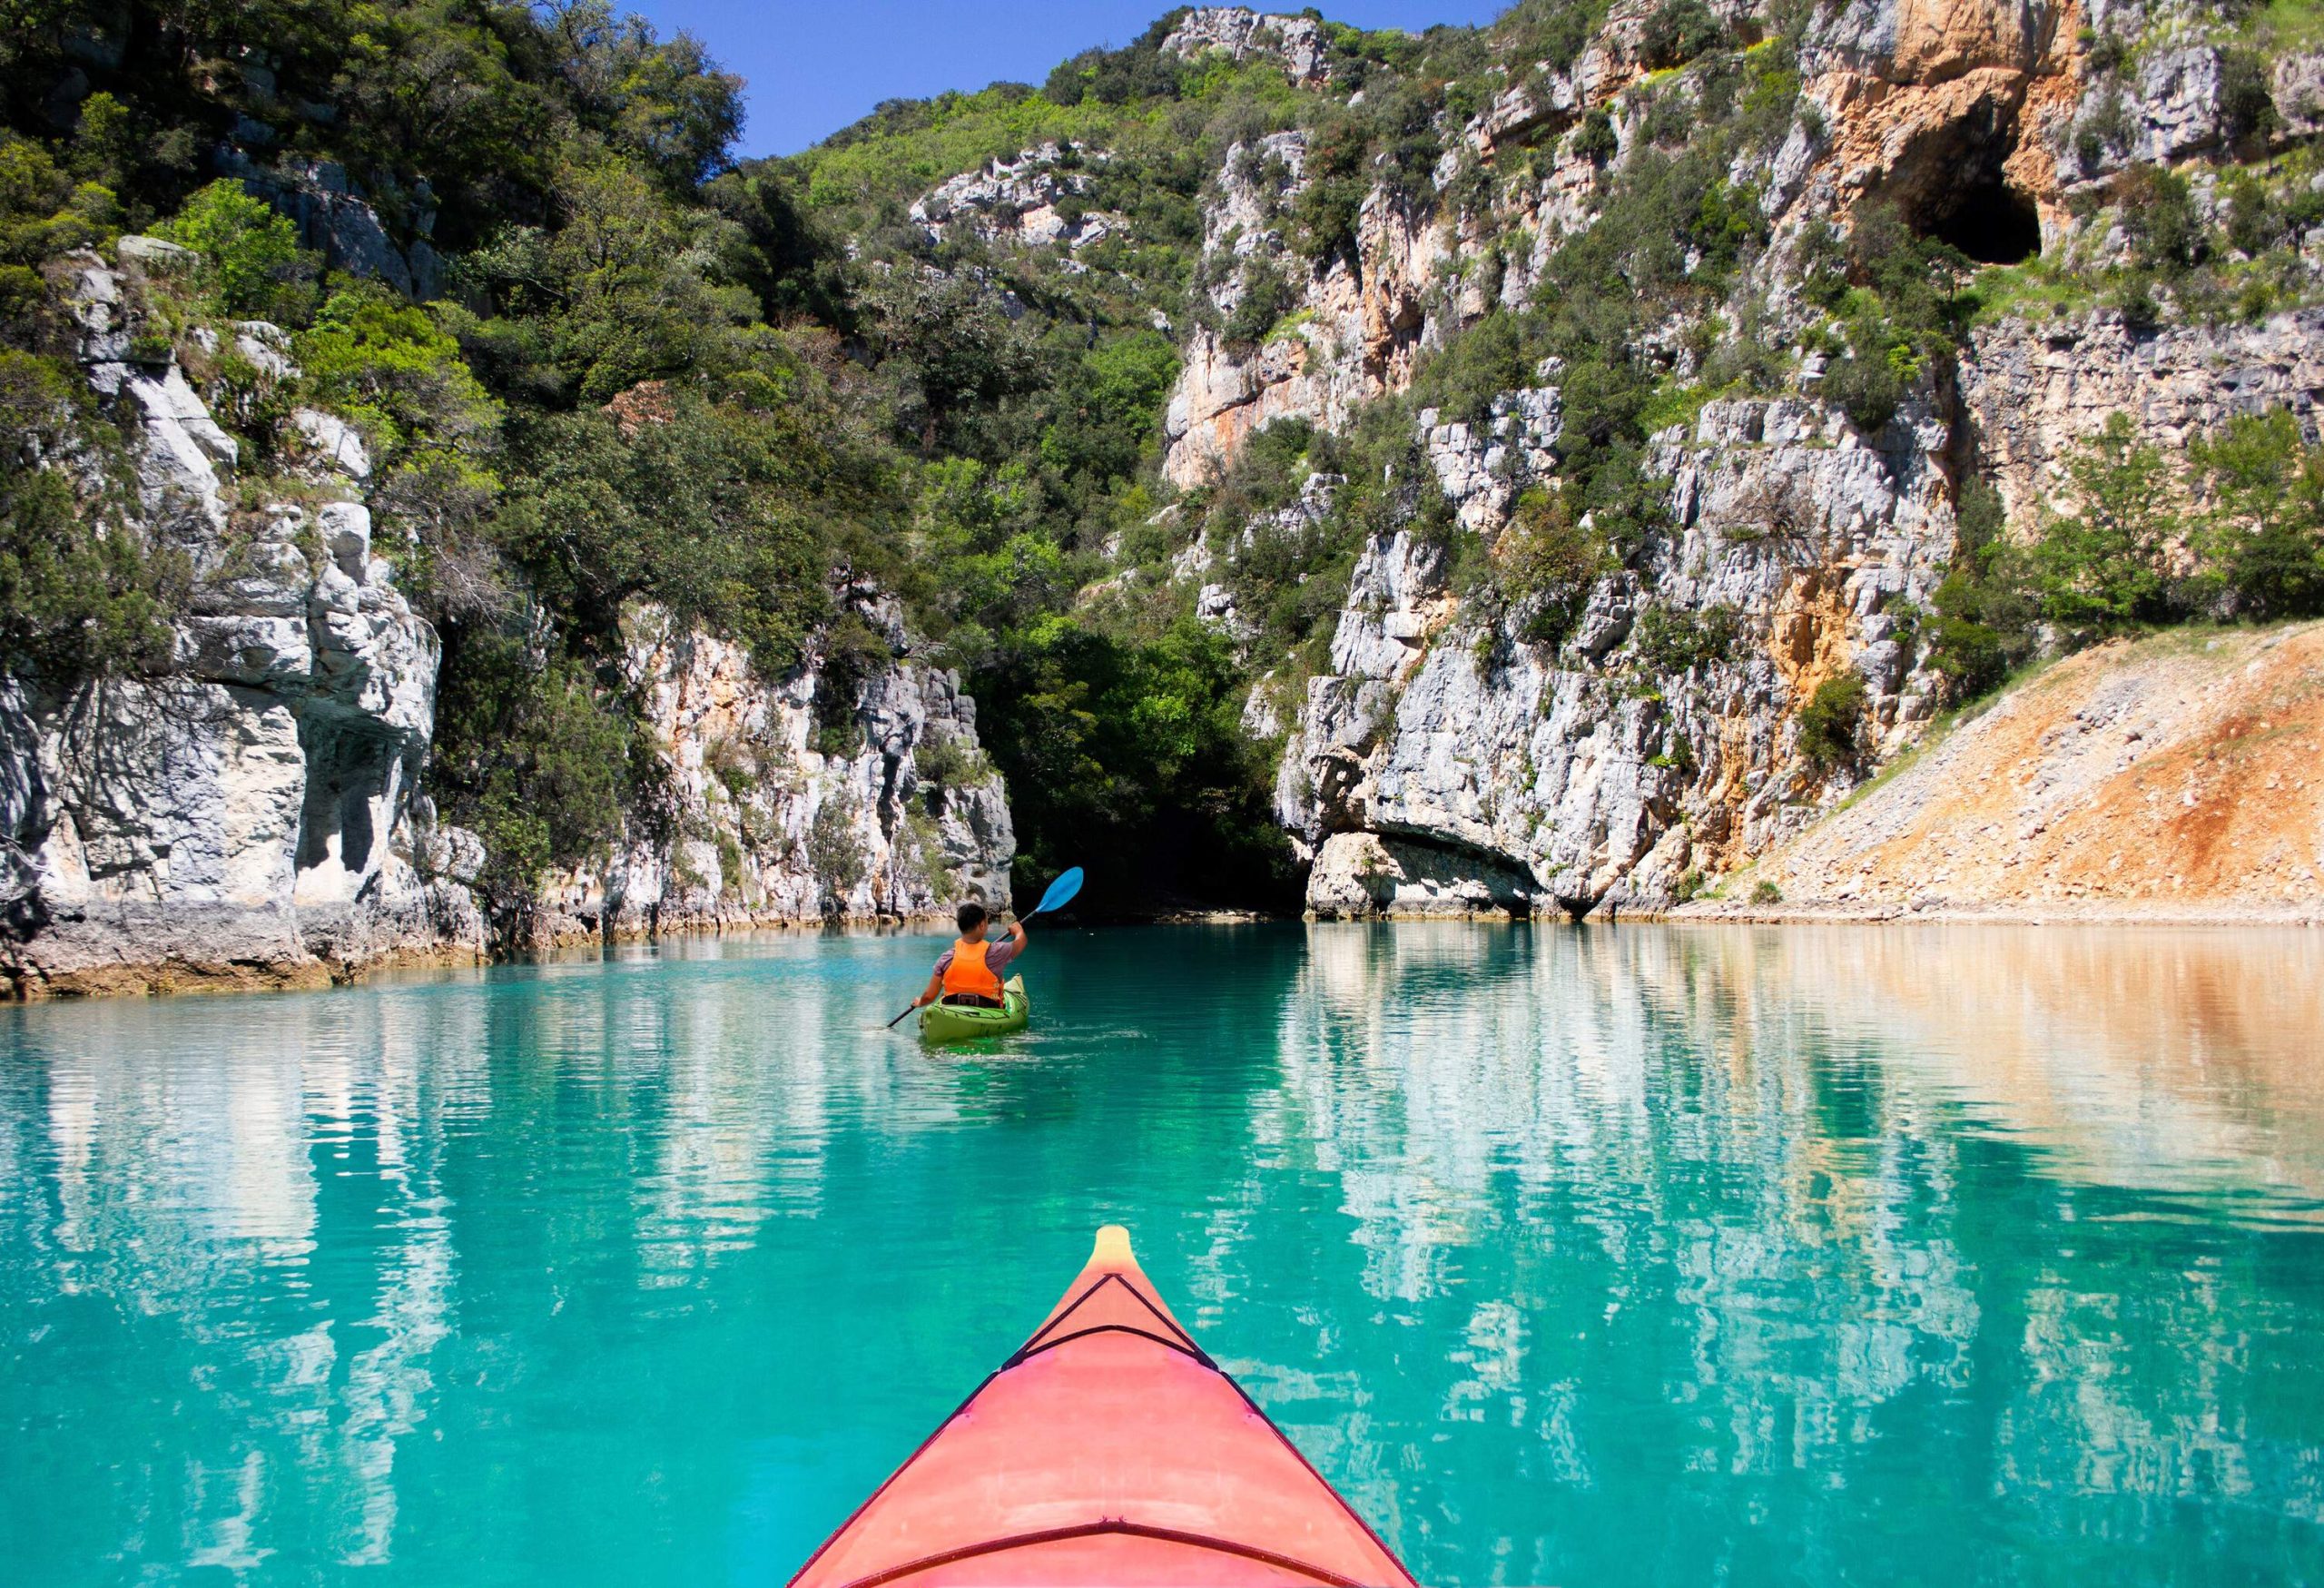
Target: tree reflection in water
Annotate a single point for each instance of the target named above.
(1573, 1255)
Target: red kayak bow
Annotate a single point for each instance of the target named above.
(1108, 1450)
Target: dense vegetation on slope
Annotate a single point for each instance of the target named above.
(630, 369)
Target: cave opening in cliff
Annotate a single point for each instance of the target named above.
(1989, 221)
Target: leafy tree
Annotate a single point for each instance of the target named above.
(2110, 565)
(1678, 31)
(2159, 213)
(1549, 563)
(1986, 609)
(1131, 754)
(2265, 540)
(695, 505)
(1267, 295)
(1107, 407)
(954, 348)
(252, 250)
(392, 367)
(43, 212)
(536, 758)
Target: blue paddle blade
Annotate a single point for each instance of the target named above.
(1061, 892)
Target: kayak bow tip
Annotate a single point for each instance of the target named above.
(1112, 1251)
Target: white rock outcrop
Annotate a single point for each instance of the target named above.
(1447, 764)
(1035, 199)
(250, 815)
(1293, 42)
(815, 797)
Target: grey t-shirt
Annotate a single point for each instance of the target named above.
(997, 954)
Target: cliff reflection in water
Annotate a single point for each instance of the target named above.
(1705, 1207)
(1573, 1255)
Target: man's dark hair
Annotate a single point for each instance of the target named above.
(970, 916)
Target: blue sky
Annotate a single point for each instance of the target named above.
(814, 67)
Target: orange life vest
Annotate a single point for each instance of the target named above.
(967, 973)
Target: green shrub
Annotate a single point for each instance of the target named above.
(388, 365)
(252, 251)
(1107, 409)
(1323, 215)
(1266, 297)
(701, 508)
(1678, 31)
(2264, 540)
(538, 759)
(1547, 564)
(1831, 722)
(1595, 139)
(1552, 32)
(1764, 892)
(1677, 640)
(1866, 390)
(2158, 215)
(2254, 222)
(833, 851)
(81, 593)
(44, 212)
(2247, 106)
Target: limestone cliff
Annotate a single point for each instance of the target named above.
(254, 813)
(814, 797)
(1442, 767)
(1442, 761)
(249, 813)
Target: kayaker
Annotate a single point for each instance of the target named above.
(968, 973)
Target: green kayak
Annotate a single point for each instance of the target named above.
(944, 1021)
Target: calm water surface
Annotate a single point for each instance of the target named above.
(1949, 1256)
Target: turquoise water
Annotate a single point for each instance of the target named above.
(1950, 1256)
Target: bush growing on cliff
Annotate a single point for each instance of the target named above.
(81, 592)
(1266, 297)
(1985, 608)
(2159, 213)
(1832, 721)
(388, 366)
(252, 251)
(1865, 388)
(536, 759)
(1677, 31)
(43, 211)
(1547, 565)
(1676, 640)
(693, 505)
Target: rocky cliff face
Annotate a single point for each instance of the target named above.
(254, 813)
(250, 814)
(811, 798)
(1442, 762)
(1353, 333)
(2033, 389)
(1442, 766)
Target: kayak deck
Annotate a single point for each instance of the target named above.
(1108, 1450)
(945, 1022)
